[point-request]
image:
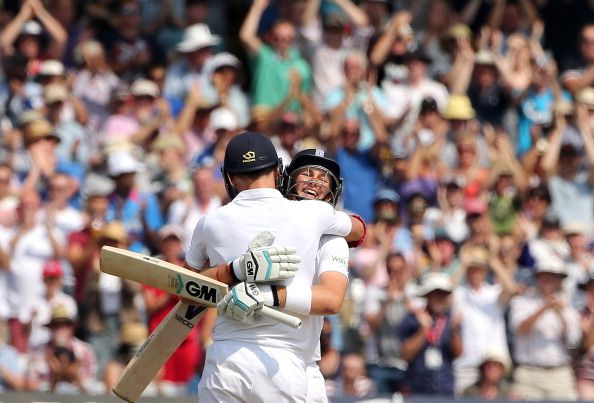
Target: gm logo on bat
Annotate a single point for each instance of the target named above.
(194, 289)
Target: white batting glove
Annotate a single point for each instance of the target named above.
(266, 263)
(243, 301)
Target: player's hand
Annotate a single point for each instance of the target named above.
(265, 263)
(242, 302)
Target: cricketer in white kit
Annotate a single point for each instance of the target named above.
(262, 360)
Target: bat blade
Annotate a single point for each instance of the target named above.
(161, 274)
(156, 350)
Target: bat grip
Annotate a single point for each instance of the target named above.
(281, 317)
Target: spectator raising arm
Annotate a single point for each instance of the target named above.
(248, 34)
(381, 50)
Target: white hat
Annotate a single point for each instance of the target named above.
(497, 355)
(143, 86)
(171, 230)
(574, 228)
(31, 27)
(97, 185)
(223, 118)
(553, 265)
(196, 37)
(484, 57)
(121, 163)
(51, 68)
(220, 60)
(435, 281)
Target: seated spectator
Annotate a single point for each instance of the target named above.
(53, 274)
(65, 364)
(491, 382)
(585, 370)
(545, 328)
(431, 340)
(353, 380)
(132, 336)
(12, 367)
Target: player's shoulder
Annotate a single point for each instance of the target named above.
(334, 243)
(315, 206)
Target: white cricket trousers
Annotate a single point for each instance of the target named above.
(247, 373)
(316, 385)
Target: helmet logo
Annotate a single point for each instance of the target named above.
(250, 156)
(319, 153)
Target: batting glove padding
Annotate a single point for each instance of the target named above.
(243, 301)
(266, 264)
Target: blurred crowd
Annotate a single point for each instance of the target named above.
(464, 131)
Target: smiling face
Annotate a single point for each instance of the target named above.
(313, 183)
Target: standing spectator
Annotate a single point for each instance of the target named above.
(94, 83)
(23, 35)
(577, 79)
(361, 178)
(431, 340)
(545, 328)
(196, 48)
(326, 49)
(482, 306)
(139, 211)
(33, 242)
(8, 199)
(180, 367)
(384, 311)
(579, 262)
(357, 99)
(570, 184)
(274, 63)
(130, 52)
(585, 371)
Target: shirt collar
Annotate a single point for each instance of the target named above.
(258, 194)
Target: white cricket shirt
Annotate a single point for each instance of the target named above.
(226, 234)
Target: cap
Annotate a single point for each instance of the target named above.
(386, 194)
(52, 268)
(441, 234)
(133, 333)
(121, 163)
(115, 230)
(551, 221)
(220, 60)
(31, 27)
(475, 206)
(223, 119)
(459, 31)
(96, 185)
(171, 230)
(61, 314)
(168, 142)
(249, 152)
(55, 93)
(51, 68)
(39, 129)
(433, 282)
(144, 87)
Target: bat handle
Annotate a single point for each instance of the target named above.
(281, 317)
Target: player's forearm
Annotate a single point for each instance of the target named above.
(221, 272)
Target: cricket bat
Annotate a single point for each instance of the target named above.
(170, 333)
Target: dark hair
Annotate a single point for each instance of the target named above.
(541, 191)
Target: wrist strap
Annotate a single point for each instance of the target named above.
(298, 299)
(355, 244)
(274, 296)
(232, 270)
